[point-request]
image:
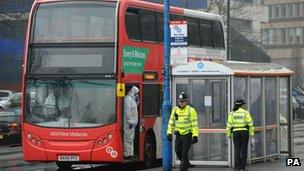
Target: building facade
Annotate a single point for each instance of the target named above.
(283, 35)
(13, 19)
(246, 17)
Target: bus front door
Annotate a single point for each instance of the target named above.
(209, 98)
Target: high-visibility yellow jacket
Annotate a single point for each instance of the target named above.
(183, 121)
(238, 120)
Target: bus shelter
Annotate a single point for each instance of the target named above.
(213, 87)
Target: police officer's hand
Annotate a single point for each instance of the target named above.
(252, 141)
(169, 137)
(130, 126)
(194, 140)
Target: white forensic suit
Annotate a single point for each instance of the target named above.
(130, 121)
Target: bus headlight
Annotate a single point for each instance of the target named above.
(33, 139)
(103, 140)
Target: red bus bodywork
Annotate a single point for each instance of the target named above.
(46, 144)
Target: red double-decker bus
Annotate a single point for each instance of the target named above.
(80, 59)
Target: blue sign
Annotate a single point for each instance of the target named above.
(200, 65)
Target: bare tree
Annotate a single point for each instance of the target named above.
(243, 15)
(13, 15)
(238, 7)
(14, 11)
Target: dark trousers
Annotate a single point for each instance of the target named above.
(182, 146)
(240, 140)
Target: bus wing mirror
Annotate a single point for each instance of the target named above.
(120, 89)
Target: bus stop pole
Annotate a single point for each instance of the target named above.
(167, 146)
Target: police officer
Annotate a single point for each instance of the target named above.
(240, 124)
(183, 122)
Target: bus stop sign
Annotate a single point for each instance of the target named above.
(179, 33)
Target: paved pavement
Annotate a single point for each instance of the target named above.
(276, 165)
(298, 135)
(11, 159)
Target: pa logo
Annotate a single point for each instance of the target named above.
(293, 162)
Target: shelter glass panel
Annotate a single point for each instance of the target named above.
(181, 86)
(240, 86)
(198, 92)
(256, 101)
(271, 142)
(270, 101)
(284, 112)
(258, 150)
(209, 98)
(271, 116)
(212, 147)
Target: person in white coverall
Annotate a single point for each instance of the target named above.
(130, 122)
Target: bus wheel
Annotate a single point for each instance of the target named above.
(149, 152)
(64, 165)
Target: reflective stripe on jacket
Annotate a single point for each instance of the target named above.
(183, 121)
(238, 120)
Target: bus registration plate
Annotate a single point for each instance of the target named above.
(68, 158)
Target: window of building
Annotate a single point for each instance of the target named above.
(302, 4)
(270, 11)
(298, 35)
(290, 10)
(283, 35)
(277, 11)
(283, 10)
(302, 35)
(297, 9)
(271, 36)
(291, 35)
(276, 34)
(264, 36)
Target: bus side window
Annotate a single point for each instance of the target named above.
(193, 32)
(218, 35)
(160, 27)
(133, 24)
(177, 17)
(206, 33)
(148, 25)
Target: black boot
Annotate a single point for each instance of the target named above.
(190, 165)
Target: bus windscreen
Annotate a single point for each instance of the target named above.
(70, 103)
(68, 22)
